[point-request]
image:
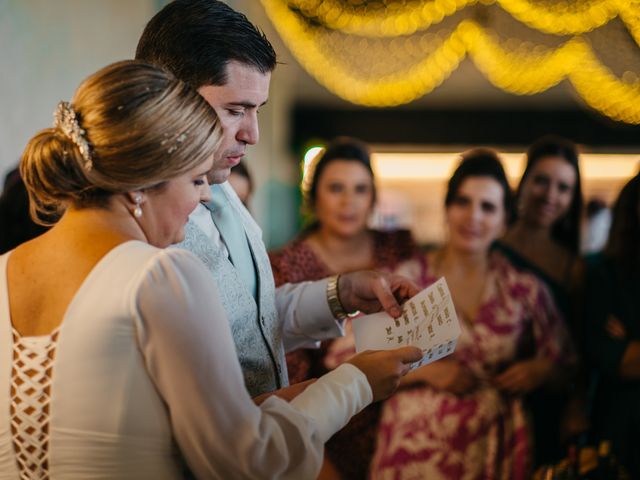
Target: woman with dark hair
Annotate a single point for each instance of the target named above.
(613, 330)
(544, 234)
(544, 239)
(463, 416)
(339, 192)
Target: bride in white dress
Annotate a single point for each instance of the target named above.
(111, 363)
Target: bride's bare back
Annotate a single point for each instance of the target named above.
(45, 273)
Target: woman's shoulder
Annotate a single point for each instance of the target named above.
(294, 247)
(418, 268)
(296, 262)
(505, 266)
(517, 280)
(149, 264)
(171, 275)
(527, 269)
(511, 255)
(174, 258)
(394, 238)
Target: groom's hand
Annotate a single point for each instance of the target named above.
(371, 292)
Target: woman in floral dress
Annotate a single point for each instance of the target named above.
(462, 417)
(340, 193)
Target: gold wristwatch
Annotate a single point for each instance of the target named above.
(337, 310)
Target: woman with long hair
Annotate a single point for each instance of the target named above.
(463, 416)
(544, 239)
(544, 234)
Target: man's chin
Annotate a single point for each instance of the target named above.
(219, 175)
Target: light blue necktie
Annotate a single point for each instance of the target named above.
(234, 236)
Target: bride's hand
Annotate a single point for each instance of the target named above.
(384, 368)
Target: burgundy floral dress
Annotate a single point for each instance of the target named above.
(349, 450)
(426, 433)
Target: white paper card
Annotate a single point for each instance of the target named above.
(428, 321)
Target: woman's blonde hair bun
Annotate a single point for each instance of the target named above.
(130, 126)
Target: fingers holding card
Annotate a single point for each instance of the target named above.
(428, 321)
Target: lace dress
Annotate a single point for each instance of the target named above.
(30, 398)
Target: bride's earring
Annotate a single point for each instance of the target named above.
(137, 211)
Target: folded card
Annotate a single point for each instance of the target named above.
(428, 321)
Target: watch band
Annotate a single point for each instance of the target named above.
(337, 310)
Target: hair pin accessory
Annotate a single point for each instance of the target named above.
(66, 120)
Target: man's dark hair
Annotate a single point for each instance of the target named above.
(195, 39)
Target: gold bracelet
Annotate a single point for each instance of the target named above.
(337, 310)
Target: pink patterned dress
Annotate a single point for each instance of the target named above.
(426, 433)
(297, 262)
(350, 449)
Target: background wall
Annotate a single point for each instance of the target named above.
(48, 47)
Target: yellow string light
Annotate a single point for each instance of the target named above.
(396, 19)
(560, 18)
(631, 18)
(380, 22)
(517, 71)
(520, 74)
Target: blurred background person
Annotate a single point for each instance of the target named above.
(595, 227)
(10, 177)
(544, 239)
(613, 331)
(16, 225)
(544, 235)
(463, 416)
(242, 182)
(339, 191)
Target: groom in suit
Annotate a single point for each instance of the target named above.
(220, 53)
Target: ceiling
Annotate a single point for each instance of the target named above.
(467, 88)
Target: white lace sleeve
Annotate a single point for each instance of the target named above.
(186, 341)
